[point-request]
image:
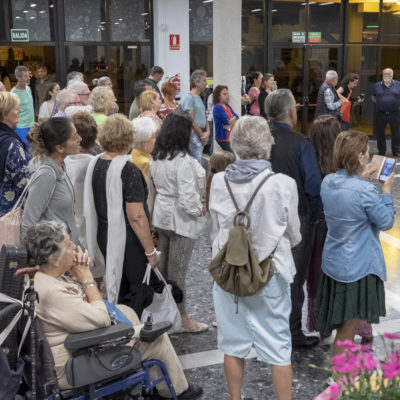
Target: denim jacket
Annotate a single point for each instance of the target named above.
(355, 213)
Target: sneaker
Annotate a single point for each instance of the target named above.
(214, 323)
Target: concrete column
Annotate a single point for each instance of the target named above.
(227, 51)
(172, 18)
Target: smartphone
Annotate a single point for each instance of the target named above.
(387, 169)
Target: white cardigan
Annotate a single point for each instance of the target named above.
(274, 217)
(112, 267)
(180, 188)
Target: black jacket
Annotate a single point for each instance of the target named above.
(293, 155)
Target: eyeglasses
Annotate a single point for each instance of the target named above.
(83, 94)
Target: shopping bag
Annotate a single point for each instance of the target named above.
(163, 307)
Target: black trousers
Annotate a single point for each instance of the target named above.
(301, 255)
(225, 145)
(381, 120)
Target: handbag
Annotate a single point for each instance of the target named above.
(163, 307)
(346, 109)
(10, 223)
(236, 268)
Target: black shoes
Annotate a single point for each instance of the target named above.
(303, 341)
(191, 393)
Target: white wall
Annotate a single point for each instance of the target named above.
(172, 17)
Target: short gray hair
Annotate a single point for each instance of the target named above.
(77, 85)
(74, 75)
(251, 138)
(278, 103)
(19, 70)
(64, 97)
(196, 77)
(330, 75)
(44, 240)
(102, 81)
(145, 128)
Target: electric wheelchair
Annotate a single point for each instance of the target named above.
(102, 365)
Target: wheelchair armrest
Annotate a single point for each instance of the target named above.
(77, 341)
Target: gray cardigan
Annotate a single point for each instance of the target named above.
(50, 198)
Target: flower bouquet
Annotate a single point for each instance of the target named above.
(359, 376)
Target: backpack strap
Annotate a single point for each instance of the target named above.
(245, 213)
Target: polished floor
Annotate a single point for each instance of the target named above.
(203, 363)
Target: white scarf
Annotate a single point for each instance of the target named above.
(113, 266)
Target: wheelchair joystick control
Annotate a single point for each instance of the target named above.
(148, 325)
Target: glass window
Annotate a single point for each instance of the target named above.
(2, 25)
(201, 57)
(90, 60)
(128, 65)
(84, 20)
(130, 21)
(35, 16)
(325, 22)
(391, 22)
(363, 21)
(201, 21)
(288, 72)
(201, 35)
(287, 17)
(252, 22)
(252, 58)
(362, 60)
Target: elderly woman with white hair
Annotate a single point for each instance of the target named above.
(66, 98)
(81, 88)
(145, 130)
(262, 319)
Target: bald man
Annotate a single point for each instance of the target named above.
(387, 98)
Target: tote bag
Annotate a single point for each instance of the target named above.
(163, 307)
(10, 223)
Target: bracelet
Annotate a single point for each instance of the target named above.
(154, 252)
(87, 283)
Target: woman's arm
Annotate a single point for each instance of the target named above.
(140, 224)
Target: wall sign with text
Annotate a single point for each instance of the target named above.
(20, 35)
(174, 42)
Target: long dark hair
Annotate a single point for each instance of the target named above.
(50, 89)
(174, 136)
(324, 132)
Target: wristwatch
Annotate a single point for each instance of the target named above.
(88, 283)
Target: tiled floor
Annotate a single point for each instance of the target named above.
(203, 363)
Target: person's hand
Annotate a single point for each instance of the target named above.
(204, 138)
(387, 186)
(245, 99)
(360, 100)
(80, 269)
(343, 100)
(369, 171)
(232, 121)
(154, 260)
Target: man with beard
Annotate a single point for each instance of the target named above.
(387, 98)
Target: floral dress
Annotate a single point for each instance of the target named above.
(16, 176)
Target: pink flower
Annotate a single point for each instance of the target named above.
(365, 347)
(335, 389)
(392, 369)
(391, 336)
(366, 361)
(346, 344)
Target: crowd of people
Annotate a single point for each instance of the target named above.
(134, 192)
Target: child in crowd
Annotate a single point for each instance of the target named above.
(218, 163)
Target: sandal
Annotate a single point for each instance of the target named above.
(200, 327)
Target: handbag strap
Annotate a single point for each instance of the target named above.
(24, 194)
(247, 208)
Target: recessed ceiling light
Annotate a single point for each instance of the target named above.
(116, 23)
(256, 10)
(274, 10)
(144, 13)
(32, 17)
(25, 11)
(33, 5)
(51, 5)
(42, 12)
(207, 1)
(120, 19)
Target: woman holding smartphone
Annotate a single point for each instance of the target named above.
(352, 261)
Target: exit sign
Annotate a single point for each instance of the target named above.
(20, 35)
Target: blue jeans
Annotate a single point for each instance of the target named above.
(195, 147)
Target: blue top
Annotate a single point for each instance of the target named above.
(355, 213)
(195, 103)
(387, 98)
(221, 119)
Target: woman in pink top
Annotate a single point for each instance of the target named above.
(254, 106)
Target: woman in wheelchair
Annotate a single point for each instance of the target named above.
(70, 302)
